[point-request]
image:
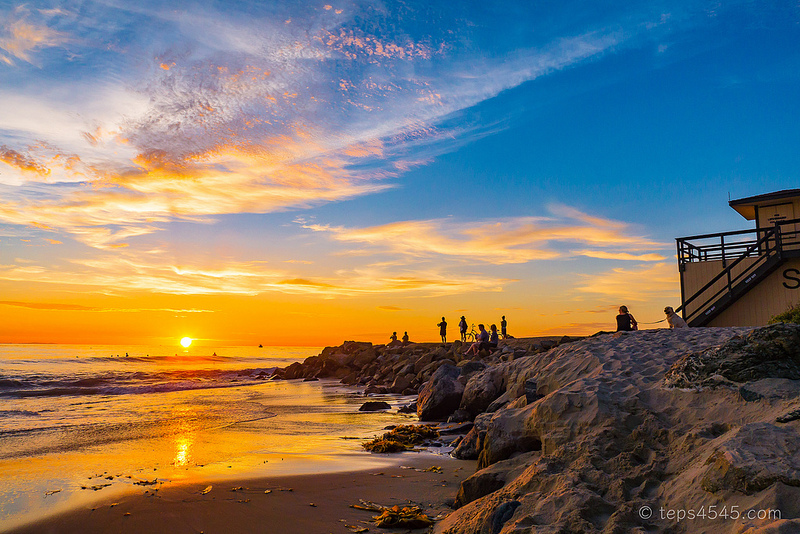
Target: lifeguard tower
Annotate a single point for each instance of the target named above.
(743, 278)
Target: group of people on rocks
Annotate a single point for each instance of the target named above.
(489, 340)
(393, 339)
(483, 339)
(462, 328)
(626, 322)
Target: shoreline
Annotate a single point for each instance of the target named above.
(581, 435)
(288, 504)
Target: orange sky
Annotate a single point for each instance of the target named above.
(297, 173)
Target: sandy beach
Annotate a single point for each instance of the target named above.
(292, 505)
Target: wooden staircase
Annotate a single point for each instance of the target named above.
(744, 264)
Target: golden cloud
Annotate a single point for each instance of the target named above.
(20, 38)
(23, 163)
(503, 241)
(125, 272)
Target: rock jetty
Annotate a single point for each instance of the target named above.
(692, 430)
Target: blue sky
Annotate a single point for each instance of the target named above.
(401, 159)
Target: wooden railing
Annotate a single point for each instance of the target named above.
(727, 246)
(769, 246)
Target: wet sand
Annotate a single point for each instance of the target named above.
(306, 504)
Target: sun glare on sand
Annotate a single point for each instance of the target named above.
(186, 342)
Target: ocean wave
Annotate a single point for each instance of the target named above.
(135, 383)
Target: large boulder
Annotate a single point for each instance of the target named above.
(469, 447)
(352, 347)
(481, 483)
(492, 478)
(481, 390)
(342, 358)
(374, 406)
(293, 371)
(401, 383)
(422, 362)
(441, 395)
(364, 358)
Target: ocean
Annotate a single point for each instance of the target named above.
(80, 423)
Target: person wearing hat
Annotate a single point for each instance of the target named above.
(462, 327)
(625, 321)
(674, 320)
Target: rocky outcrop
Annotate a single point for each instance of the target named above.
(583, 437)
(769, 352)
(400, 369)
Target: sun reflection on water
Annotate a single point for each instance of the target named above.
(184, 442)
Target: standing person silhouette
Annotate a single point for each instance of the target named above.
(462, 327)
(443, 330)
(625, 321)
(503, 326)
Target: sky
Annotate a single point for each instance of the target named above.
(303, 172)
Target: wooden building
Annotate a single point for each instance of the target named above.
(745, 277)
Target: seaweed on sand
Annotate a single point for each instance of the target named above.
(402, 438)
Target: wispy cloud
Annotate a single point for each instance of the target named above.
(510, 240)
(244, 114)
(21, 39)
(124, 273)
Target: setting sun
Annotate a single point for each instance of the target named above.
(186, 341)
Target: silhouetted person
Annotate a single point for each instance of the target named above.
(462, 327)
(443, 330)
(405, 338)
(393, 337)
(483, 337)
(503, 326)
(493, 339)
(625, 321)
(673, 319)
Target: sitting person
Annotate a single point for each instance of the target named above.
(393, 340)
(405, 338)
(483, 337)
(625, 321)
(674, 320)
(493, 340)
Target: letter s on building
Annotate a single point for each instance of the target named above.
(795, 279)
